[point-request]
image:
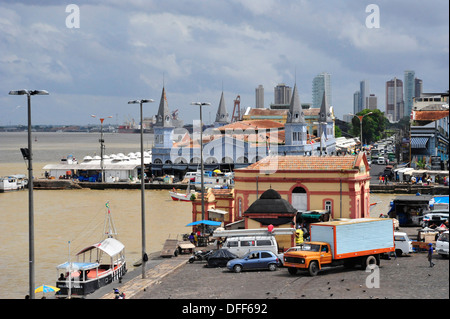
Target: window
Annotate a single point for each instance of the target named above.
(265, 255)
(328, 205)
(266, 242)
(240, 207)
(247, 243)
(232, 244)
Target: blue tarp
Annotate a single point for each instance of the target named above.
(206, 222)
(441, 200)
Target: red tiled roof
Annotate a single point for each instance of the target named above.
(252, 124)
(293, 162)
(430, 115)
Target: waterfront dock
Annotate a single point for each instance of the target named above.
(391, 188)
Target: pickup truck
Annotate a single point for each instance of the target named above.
(345, 242)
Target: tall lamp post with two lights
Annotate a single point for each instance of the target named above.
(28, 155)
(360, 125)
(201, 160)
(144, 254)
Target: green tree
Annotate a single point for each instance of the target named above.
(373, 125)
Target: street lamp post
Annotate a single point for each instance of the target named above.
(28, 154)
(144, 255)
(102, 145)
(360, 125)
(201, 160)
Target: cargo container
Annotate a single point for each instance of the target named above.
(344, 242)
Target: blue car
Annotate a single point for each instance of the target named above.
(263, 259)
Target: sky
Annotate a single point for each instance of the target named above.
(197, 49)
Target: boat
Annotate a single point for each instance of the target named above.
(96, 266)
(13, 182)
(184, 197)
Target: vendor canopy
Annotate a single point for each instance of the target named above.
(110, 246)
(206, 222)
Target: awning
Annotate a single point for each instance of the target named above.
(419, 142)
(218, 211)
(180, 167)
(206, 222)
(110, 246)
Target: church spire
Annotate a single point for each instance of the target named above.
(163, 118)
(222, 115)
(295, 114)
(324, 113)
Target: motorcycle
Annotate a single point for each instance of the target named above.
(200, 255)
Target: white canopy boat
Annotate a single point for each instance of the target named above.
(13, 182)
(97, 265)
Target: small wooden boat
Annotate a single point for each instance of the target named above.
(97, 265)
(184, 197)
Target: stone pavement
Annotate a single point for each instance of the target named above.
(157, 268)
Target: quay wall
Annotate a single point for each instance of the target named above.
(374, 188)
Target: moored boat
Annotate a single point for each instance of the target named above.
(97, 265)
(13, 182)
(184, 197)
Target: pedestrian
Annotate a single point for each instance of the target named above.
(380, 178)
(430, 254)
(298, 236)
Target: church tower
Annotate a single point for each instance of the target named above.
(222, 114)
(163, 129)
(295, 128)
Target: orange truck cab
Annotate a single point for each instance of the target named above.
(346, 242)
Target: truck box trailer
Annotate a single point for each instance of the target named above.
(343, 242)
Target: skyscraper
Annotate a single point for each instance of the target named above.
(418, 87)
(409, 87)
(321, 83)
(371, 102)
(282, 94)
(394, 99)
(259, 95)
(356, 102)
(364, 92)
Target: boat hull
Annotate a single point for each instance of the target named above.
(82, 288)
(180, 197)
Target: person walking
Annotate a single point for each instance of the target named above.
(430, 254)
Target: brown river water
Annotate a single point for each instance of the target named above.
(75, 216)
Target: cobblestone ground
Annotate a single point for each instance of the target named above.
(407, 277)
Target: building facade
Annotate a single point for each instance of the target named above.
(321, 83)
(339, 184)
(394, 100)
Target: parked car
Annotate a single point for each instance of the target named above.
(403, 244)
(241, 245)
(219, 258)
(437, 217)
(442, 244)
(263, 259)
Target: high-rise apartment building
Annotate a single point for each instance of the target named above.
(356, 102)
(321, 83)
(418, 87)
(259, 95)
(409, 87)
(364, 92)
(372, 102)
(282, 94)
(394, 99)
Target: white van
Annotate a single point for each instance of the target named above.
(240, 245)
(381, 160)
(403, 244)
(442, 244)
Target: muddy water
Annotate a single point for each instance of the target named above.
(75, 216)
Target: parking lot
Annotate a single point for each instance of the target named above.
(407, 277)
